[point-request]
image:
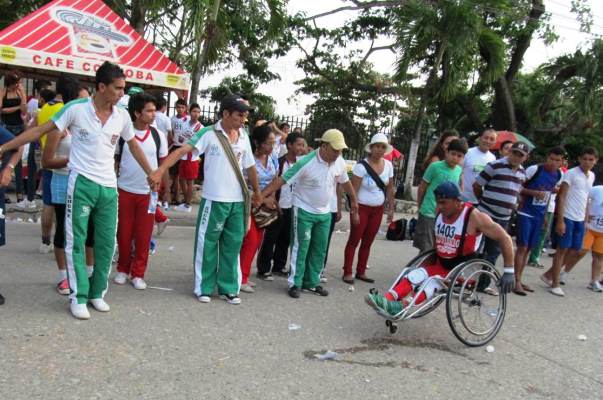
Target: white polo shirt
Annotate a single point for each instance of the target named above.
(577, 193)
(163, 122)
(132, 177)
(474, 163)
(93, 144)
(178, 126)
(315, 182)
(220, 181)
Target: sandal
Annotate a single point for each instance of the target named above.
(519, 292)
(349, 281)
(364, 278)
(527, 288)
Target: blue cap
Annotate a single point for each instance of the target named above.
(448, 190)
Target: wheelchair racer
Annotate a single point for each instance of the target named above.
(459, 229)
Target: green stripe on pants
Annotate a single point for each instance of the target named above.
(85, 200)
(220, 231)
(310, 234)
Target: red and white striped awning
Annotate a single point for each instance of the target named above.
(76, 36)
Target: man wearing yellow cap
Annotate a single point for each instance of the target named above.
(313, 179)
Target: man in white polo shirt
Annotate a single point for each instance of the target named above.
(475, 161)
(223, 212)
(314, 179)
(96, 125)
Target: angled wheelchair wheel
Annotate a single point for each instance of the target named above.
(474, 316)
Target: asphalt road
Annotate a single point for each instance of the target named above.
(164, 344)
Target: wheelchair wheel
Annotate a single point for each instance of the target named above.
(474, 317)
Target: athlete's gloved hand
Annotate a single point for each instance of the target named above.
(507, 281)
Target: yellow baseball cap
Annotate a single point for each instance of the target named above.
(335, 138)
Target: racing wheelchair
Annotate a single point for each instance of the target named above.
(474, 317)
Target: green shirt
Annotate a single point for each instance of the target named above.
(437, 173)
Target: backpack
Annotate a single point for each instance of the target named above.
(397, 230)
(156, 139)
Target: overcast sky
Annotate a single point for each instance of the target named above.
(290, 104)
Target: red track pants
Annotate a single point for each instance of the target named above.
(366, 230)
(134, 224)
(251, 244)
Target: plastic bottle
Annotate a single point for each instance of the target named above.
(153, 198)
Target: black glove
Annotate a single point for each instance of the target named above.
(507, 281)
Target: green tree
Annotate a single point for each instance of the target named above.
(264, 105)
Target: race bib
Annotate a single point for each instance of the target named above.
(596, 222)
(543, 202)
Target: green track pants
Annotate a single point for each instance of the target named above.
(220, 232)
(310, 235)
(88, 200)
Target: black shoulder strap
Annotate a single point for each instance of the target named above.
(157, 141)
(120, 146)
(459, 250)
(374, 175)
(281, 164)
(535, 176)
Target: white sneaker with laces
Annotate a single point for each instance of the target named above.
(323, 279)
(45, 248)
(557, 291)
(79, 311)
(139, 284)
(204, 299)
(120, 278)
(595, 286)
(21, 204)
(563, 277)
(31, 204)
(231, 299)
(183, 208)
(100, 305)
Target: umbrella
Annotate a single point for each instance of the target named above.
(504, 136)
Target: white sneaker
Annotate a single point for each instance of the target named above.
(595, 286)
(204, 299)
(247, 288)
(31, 204)
(563, 277)
(252, 284)
(100, 305)
(161, 227)
(184, 208)
(557, 291)
(323, 279)
(139, 284)
(21, 204)
(231, 299)
(120, 278)
(45, 248)
(79, 311)
(166, 206)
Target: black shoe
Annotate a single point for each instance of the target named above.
(7, 200)
(281, 272)
(1, 299)
(365, 279)
(294, 292)
(318, 290)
